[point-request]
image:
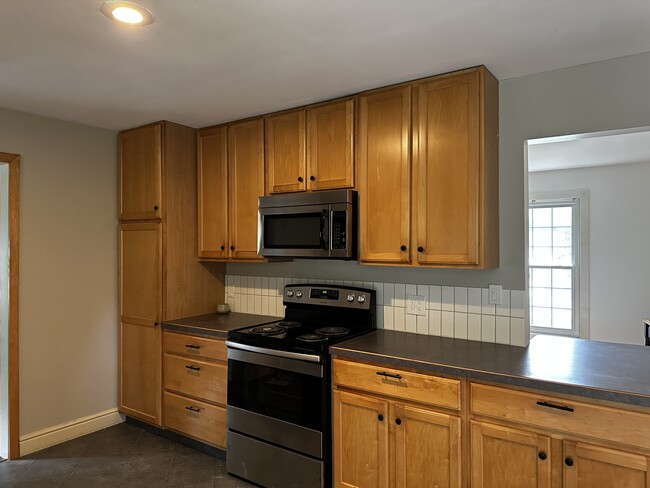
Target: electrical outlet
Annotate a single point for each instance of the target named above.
(495, 294)
(415, 305)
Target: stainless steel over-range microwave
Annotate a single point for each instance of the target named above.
(308, 225)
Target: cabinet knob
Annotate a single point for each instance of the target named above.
(568, 461)
(542, 455)
(300, 179)
(403, 248)
(398, 421)
(420, 249)
(312, 178)
(223, 247)
(232, 248)
(380, 417)
(155, 324)
(155, 207)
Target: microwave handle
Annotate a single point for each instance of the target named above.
(324, 230)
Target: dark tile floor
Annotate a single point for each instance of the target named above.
(123, 456)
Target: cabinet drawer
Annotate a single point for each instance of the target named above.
(200, 347)
(573, 417)
(417, 387)
(207, 424)
(207, 381)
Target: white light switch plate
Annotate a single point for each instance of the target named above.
(495, 296)
(415, 305)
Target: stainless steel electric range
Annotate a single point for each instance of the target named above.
(279, 388)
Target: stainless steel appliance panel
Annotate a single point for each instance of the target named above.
(271, 466)
(276, 431)
(268, 357)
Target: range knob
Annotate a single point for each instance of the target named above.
(350, 298)
(362, 298)
(298, 294)
(289, 293)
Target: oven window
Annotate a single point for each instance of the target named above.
(293, 231)
(284, 395)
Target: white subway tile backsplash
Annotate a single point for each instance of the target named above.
(435, 322)
(474, 300)
(473, 327)
(400, 295)
(435, 297)
(447, 328)
(518, 303)
(411, 323)
(503, 330)
(460, 299)
(504, 309)
(488, 328)
(459, 312)
(486, 307)
(448, 298)
(460, 325)
(423, 324)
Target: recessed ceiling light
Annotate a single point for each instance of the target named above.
(127, 13)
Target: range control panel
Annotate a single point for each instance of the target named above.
(336, 296)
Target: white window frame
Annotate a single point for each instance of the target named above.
(580, 302)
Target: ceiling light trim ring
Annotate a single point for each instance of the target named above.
(109, 7)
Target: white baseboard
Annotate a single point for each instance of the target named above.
(57, 434)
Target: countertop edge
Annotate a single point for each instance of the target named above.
(196, 331)
(509, 380)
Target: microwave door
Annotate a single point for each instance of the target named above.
(297, 231)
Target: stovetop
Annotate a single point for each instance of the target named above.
(316, 317)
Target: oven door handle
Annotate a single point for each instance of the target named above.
(312, 358)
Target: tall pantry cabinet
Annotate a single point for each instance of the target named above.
(160, 277)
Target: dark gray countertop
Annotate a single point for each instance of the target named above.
(216, 325)
(614, 372)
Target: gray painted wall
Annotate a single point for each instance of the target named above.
(68, 268)
(606, 95)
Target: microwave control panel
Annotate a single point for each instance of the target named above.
(339, 226)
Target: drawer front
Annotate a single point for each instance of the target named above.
(207, 381)
(196, 419)
(199, 347)
(560, 414)
(416, 387)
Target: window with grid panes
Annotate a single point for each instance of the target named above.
(553, 245)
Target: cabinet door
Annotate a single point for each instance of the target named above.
(360, 431)
(385, 176)
(509, 458)
(246, 172)
(140, 315)
(447, 169)
(588, 466)
(285, 153)
(330, 150)
(213, 192)
(140, 170)
(427, 448)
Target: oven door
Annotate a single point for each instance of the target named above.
(276, 396)
(297, 231)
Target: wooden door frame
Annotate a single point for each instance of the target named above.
(13, 434)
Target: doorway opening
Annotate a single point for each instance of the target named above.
(9, 211)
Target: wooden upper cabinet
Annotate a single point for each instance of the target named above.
(384, 171)
(140, 173)
(456, 169)
(213, 192)
(246, 177)
(330, 145)
(285, 153)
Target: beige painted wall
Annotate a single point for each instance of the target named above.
(68, 268)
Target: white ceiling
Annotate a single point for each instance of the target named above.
(587, 150)
(207, 61)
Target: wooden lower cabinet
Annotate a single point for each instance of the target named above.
(195, 378)
(504, 457)
(381, 443)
